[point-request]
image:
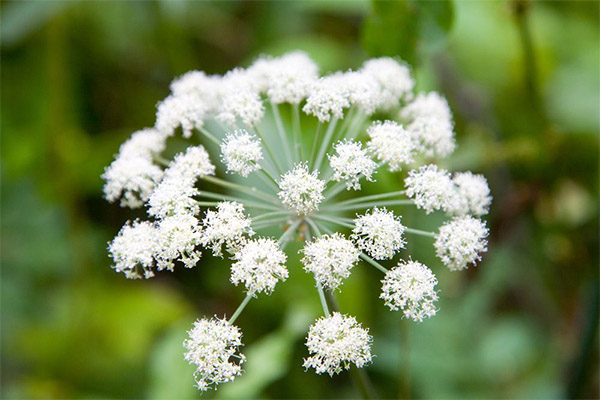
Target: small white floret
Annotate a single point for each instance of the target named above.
(473, 193)
(330, 259)
(461, 241)
(213, 347)
(335, 342)
(379, 233)
(132, 179)
(391, 144)
(206, 88)
(431, 189)
(300, 190)
(133, 249)
(410, 287)
(328, 98)
(228, 226)
(241, 152)
(260, 264)
(395, 82)
(241, 100)
(184, 111)
(350, 163)
(178, 239)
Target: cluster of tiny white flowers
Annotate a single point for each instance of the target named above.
(301, 191)
(241, 152)
(379, 233)
(360, 120)
(391, 144)
(351, 163)
(335, 342)
(228, 226)
(410, 287)
(460, 242)
(213, 347)
(330, 259)
(260, 264)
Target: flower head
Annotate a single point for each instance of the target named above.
(134, 248)
(213, 347)
(330, 259)
(328, 98)
(394, 80)
(460, 242)
(432, 189)
(336, 342)
(473, 193)
(260, 265)
(241, 101)
(300, 190)
(241, 152)
(379, 233)
(410, 287)
(391, 144)
(178, 237)
(350, 163)
(183, 111)
(207, 89)
(227, 226)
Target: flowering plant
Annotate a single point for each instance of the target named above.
(260, 119)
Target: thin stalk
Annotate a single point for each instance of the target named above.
(406, 376)
(323, 300)
(334, 220)
(239, 310)
(348, 119)
(284, 238)
(313, 226)
(313, 152)
(360, 379)
(268, 148)
(250, 190)
(270, 222)
(297, 130)
(369, 205)
(266, 177)
(246, 202)
(210, 136)
(373, 263)
(371, 197)
(334, 190)
(281, 131)
(420, 232)
(271, 214)
(325, 143)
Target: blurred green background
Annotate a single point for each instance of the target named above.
(522, 79)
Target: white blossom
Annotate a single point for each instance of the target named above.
(260, 264)
(335, 342)
(410, 287)
(132, 179)
(473, 193)
(391, 144)
(241, 100)
(394, 80)
(207, 89)
(460, 242)
(241, 152)
(185, 111)
(362, 90)
(145, 143)
(213, 347)
(379, 233)
(134, 248)
(174, 194)
(431, 189)
(430, 120)
(330, 259)
(178, 238)
(300, 190)
(328, 97)
(350, 163)
(228, 226)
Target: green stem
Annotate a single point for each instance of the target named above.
(323, 300)
(266, 177)
(245, 202)
(360, 379)
(369, 205)
(210, 136)
(284, 238)
(325, 143)
(239, 310)
(297, 130)
(250, 190)
(372, 197)
(335, 220)
(420, 232)
(270, 152)
(373, 263)
(270, 214)
(313, 153)
(281, 131)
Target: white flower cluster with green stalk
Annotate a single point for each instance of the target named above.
(295, 149)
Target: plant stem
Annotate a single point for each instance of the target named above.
(372, 197)
(297, 130)
(284, 238)
(313, 153)
(335, 220)
(373, 263)
(270, 214)
(323, 300)
(369, 205)
(250, 190)
(420, 232)
(268, 148)
(325, 143)
(270, 181)
(245, 202)
(239, 310)
(210, 136)
(281, 131)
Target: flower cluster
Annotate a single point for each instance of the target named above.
(296, 149)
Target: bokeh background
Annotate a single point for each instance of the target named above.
(522, 79)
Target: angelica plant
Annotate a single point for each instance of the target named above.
(295, 150)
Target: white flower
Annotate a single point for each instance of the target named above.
(330, 259)
(174, 194)
(143, 143)
(260, 265)
(185, 111)
(336, 342)
(430, 120)
(431, 189)
(328, 98)
(362, 90)
(410, 287)
(391, 144)
(213, 347)
(460, 242)
(178, 238)
(350, 163)
(286, 79)
(379, 233)
(226, 226)
(473, 193)
(135, 246)
(240, 100)
(132, 179)
(394, 80)
(301, 191)
(206, 88)
(241, 152)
